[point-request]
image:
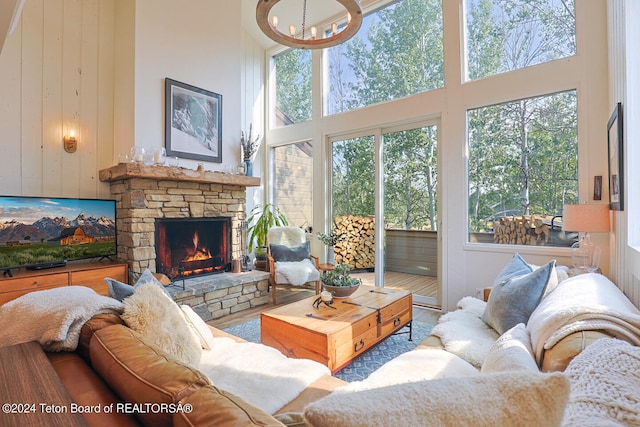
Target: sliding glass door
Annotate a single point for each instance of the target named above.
(410, 211)
(384, 199)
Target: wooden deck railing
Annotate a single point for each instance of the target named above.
(412, 251)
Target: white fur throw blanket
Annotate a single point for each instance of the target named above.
(53, 317)
(259, 374)
(605, 385)
(296, 272)
(463, 332)
(583, 303)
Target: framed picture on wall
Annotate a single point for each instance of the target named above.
(193, 122)
(616, 160)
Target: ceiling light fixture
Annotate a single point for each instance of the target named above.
(307, 38)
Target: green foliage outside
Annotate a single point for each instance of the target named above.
(522, 154)
(293, 85)
(523, 159)
(506, 35)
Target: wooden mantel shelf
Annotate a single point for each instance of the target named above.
(169, 173)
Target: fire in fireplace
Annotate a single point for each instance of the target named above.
(195, 246)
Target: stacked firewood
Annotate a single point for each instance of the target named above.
(524, 230)
(358, 249)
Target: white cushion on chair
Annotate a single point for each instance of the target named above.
(296, 272)
(287, 235)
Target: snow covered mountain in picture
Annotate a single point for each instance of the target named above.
(42, 219)
(47, 228)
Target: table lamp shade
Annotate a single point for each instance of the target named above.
(587, 218)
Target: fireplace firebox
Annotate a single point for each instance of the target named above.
(191, 247)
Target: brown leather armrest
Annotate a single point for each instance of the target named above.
(558, 357)
(87, 389)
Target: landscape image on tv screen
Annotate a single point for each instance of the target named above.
(40, 231)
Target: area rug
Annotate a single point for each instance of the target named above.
(362, 366)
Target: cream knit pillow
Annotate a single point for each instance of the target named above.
(605, 385)
(503, 399)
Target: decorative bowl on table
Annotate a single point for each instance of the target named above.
(339, 282)
(341, 291)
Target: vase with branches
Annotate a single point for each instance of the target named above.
(330, 239)
(249, 147)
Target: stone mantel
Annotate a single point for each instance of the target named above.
(168, 173)
(145, 194)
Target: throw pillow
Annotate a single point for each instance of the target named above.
(117, 289)
(290, 253)
(120, 291)
(501, 399)
(604, 385)
(150, 312)
(511, 352)
(516, 292)
(199, 326)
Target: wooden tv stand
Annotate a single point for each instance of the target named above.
(84, 273)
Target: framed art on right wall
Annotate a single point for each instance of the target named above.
(616, 159)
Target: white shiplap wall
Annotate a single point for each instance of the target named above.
(253, 92)
(56, 73)
(624, 60)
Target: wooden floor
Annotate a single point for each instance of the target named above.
(417, 285)
(291, 294)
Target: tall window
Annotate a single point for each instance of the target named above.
(293, 87)
(397, 52)
(523, 167)
(506, 35)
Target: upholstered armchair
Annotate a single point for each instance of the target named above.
(290, 260)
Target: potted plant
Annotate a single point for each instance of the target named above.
(260, 220)
(339, 282)
(331, 239)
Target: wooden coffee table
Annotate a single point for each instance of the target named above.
(334, 337)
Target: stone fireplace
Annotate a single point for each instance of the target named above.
(148, 195)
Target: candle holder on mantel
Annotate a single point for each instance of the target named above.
(137, 154)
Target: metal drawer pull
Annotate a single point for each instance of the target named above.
(396, 322)
(358, 346)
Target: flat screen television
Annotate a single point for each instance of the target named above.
(44, 232)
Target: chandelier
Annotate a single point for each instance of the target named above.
(308, 37)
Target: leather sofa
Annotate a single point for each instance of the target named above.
(112, 365)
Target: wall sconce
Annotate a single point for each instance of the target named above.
(70, 142)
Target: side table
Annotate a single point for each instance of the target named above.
(325, 267)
